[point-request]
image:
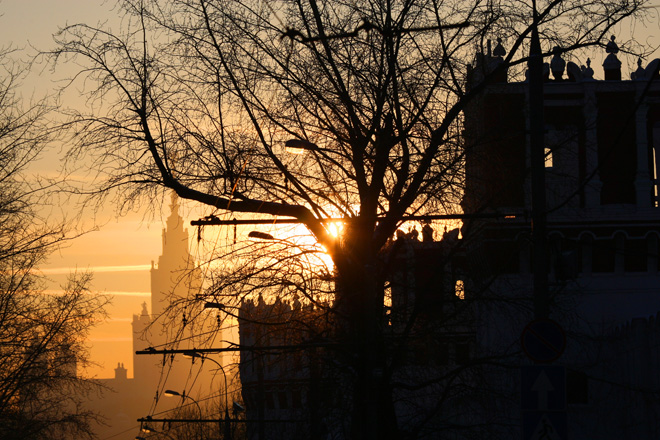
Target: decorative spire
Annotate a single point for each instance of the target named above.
(174, 204)
(587, 72)
(612, 65)
(612, 47)
(499, 49)
(640, 73)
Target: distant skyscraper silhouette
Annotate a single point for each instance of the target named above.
(175, 276)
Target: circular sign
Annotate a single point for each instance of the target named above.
(543, 340)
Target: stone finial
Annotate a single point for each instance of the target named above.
(612, 65)
(640, 73)
(427, 233)
(587, 72)
(611, 46)
(499, 50)
(557, 64)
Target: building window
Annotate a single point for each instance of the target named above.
(296, 400)
(635, 255)
(603, 256)
(282, 400)
(548, 158)
(443, 353)
(462, 353)
(459, 289)
(270, 401)
(577, 387)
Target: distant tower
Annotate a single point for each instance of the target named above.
(176, 272)
(142, 365)
(120, 372)
(175, 276)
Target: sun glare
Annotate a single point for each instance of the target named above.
(335, 228)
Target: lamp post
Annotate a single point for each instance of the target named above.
(172, 393)
(194, 354)
(150, 430)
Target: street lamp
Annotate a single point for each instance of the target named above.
(260, 235)
(299, 146)
(194, 354)
(172, 393)
(139, 437)
(211, 305)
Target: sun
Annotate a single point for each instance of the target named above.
(335, 228)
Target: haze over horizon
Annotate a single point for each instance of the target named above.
(123, 248)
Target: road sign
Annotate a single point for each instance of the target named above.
(543, 388)
(543, 340)
(543, 401)
(543, 425)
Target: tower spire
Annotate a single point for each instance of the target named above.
(174, 261)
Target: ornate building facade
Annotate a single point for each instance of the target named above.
(468, 367)
(602, 139)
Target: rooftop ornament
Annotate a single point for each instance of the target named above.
(651, 72)
(612, 65)
(499, 50)
(587, 72)
(640, 73)
(557, 64)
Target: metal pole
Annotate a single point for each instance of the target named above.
(537, 158)
(215, 221)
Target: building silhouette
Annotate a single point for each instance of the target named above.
(471, 296)
(602, 139)
(284, 390)
(125, 399)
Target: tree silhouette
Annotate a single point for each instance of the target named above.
(42, 335)
(208, 97)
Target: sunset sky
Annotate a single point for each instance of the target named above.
(121, 251)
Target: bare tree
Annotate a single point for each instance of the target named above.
(42, 335)
(206, 97)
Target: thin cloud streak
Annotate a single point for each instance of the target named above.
(107, 293)
(95, 269)
(111, 320)
(110, 339)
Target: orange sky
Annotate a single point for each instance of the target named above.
(121, 252)
(120, 256)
